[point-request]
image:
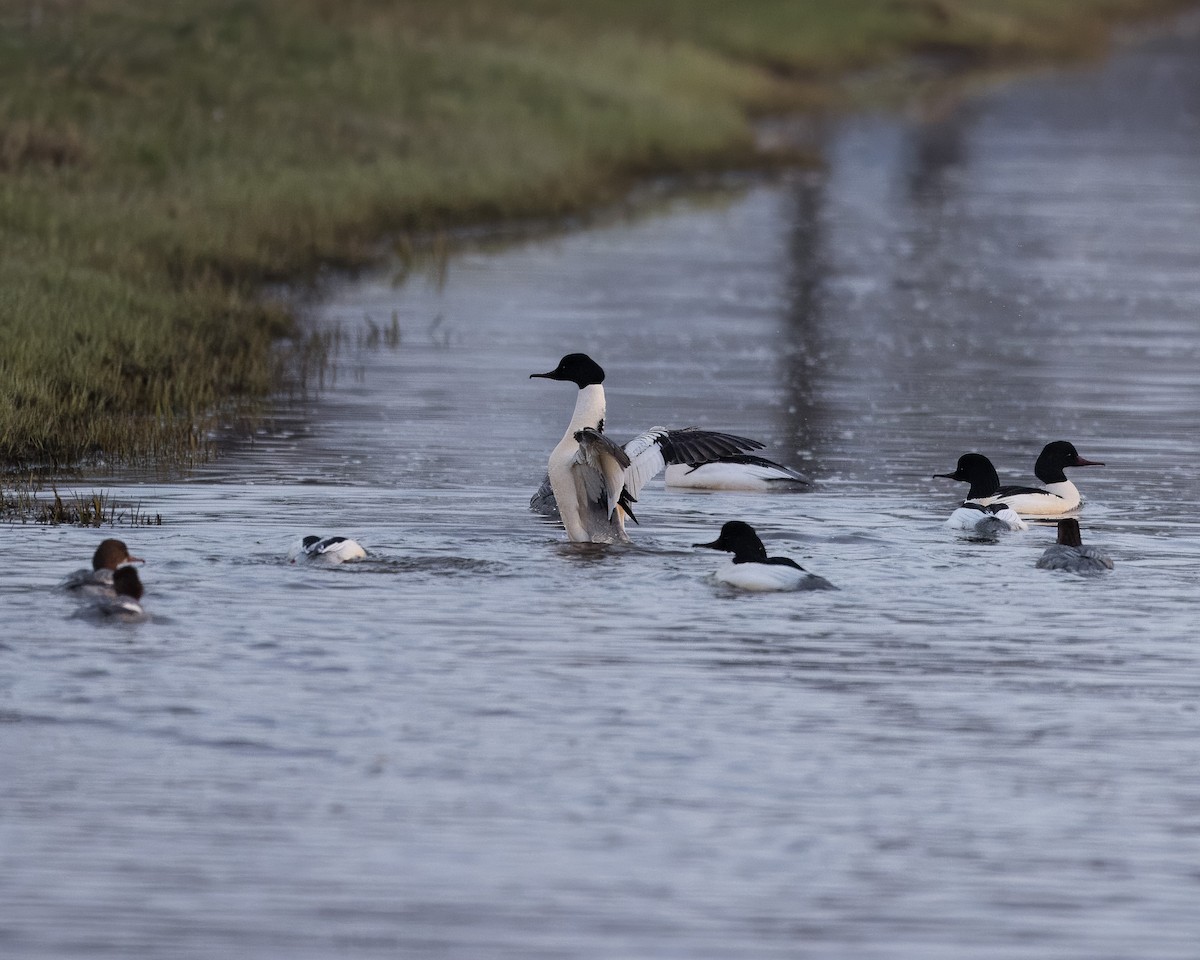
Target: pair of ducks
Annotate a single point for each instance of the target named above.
(991, 509)
(112, 586)
(593, 481)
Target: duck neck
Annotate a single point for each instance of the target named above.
(589, 409)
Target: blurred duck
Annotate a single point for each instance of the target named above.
(327, 550)
(1071, 555)
(109, 556)
(125, 599)
(752, 569)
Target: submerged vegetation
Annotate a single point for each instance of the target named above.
(160, 161)
(25, 502)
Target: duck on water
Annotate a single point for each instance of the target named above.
(752, 569)
(977, 516)
(110, 556)
(594, 480)
(1058, 496)
(1071, 555)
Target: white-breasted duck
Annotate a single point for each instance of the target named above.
(595, 480)
(752, 569)
(1071, 555)
(1059, 495)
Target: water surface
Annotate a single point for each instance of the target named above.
(486, 743)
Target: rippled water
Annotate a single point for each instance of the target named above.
(485, 743)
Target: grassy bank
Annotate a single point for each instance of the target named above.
(159, 161)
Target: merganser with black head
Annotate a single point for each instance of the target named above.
(328, 550)
(978, 516)
(109, 556)
(752, 569)
(595, 481)
(1059, 495)
(1071, 555)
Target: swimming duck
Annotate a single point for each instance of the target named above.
(1059, 495)
(596, 481)
(109, 556)
(327, 550)
(126, 595)
(1071, 555)
(978, 515)
(752, 569)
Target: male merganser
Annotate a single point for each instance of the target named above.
(110, 555)
(977, 470)
(1060, 494)
(327, 550)
(752, 569)
(595, 480)
(1070, 554)
(978, 516)
(739, 472)
(125, 599)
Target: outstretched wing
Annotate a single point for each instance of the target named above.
(601, 464)
(653, 450)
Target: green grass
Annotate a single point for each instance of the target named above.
(160, 161)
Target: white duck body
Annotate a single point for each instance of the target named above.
(586, 520)
(984, 520)
(595, 481)
(764, 577)
(752, 569)
(1058, 495)
(1051, 501)
(327, 550)
(742, 473)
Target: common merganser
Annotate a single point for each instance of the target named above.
(752, 569)
(125, 599)
(740, 472)
(595, 481)
(1060, 494)
(110, 555)
(1070, 554)
(327, 550)
(978, 516)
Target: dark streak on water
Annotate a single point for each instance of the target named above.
(484, 744)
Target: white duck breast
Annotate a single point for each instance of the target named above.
(595, 481)
(746, 473)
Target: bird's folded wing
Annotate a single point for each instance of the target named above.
(653, 450)
(601, 463)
